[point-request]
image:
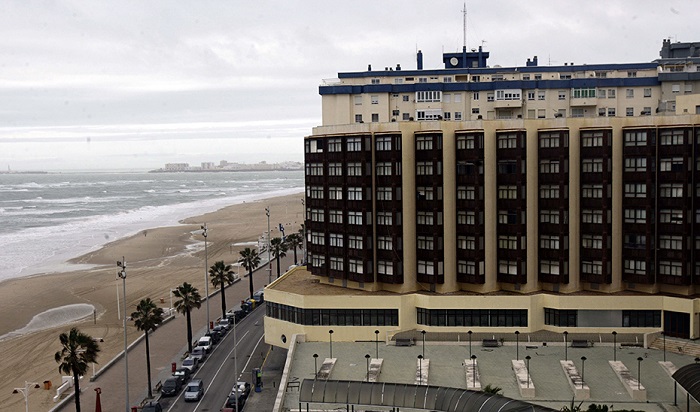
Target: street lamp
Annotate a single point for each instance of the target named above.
(269, 258)
(473, 369)
(206, 272)
(663, 333)
(367, 359)
(614, 333)
(25, 391)
(330, 342)
(420, 369)
(470, 343)
(527, 367)
(376, 340)
(235, 356)
(583, 370)
(566, 346)
(315, 365)
(517, 345)
(423, 333)
(122, 274)
(639, 372)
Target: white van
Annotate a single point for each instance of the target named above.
(205, 342)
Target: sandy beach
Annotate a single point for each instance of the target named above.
(158, 260)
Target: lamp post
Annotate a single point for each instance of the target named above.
(25, 391)
(614, 333)
(470, 343)
(122, 274)
(235, 356)
(315, 365)
(367, 359)
(527, 367)
(639, 372)
(473, 369)
(517, 345)
(583, 370)
(566, 346)
(423, 333)
(420, 369)
(663, 333)
(330, 342)
(206, 271)
(376, 341)
(269, 258)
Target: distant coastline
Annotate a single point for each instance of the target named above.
(25, 172)
(225, 166)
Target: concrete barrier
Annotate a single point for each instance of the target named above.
(471, 369)
(634, 388)
(375, 368)
(422, 369)
(581, 390)
(66, 383)
(522, 376)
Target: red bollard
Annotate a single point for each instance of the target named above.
(211, 324)
(173, 367)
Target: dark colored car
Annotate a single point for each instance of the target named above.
(172, 386)
(184, 373)
(152, 406)
(232, 398)
(220, 330)
(214, 335)
(242, 388)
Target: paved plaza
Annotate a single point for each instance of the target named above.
(495, 368)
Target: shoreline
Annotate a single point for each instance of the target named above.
(159, 259)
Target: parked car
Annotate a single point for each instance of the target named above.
(206, 343)
(233, 398)
(220, 330)
(259, 296)
(184, 373)
(152, 406)
(190, 363)
(194, 390)
(225, 323)
(214, 335)
(199, 352)
(242, 388)
(172, 386)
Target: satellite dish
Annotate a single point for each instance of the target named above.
(454, 61)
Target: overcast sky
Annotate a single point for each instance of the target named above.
(136, 84)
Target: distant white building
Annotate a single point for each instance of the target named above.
(177, 167)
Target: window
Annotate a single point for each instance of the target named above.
(358, 118)
(508, 94)
(549, 216)
(672, 216)
(635, 138)
(384, 193)
(507, 167)
(429, 96)
(355, 266)
(476, 78)
(549, 192)
(602, 111)
(318, 238)
(508, 242)
(530, 95)
(425, 218)
(592, 191)
(557, 317)
(541, 95)
(406, 116)
(375, 117)
(549, 242)
(674, 164)
(561, 95)
(538, 77)
(354, 169)
(335, 145)
(384, 218)
(425, 243)
(611, 93)
(630, 93)
(424, 168)
(507, 141)
(466, 218)
(647, 92)
(385, 268)
(592, 241)
(317, 215)
(549, 166)
(315, 192)
(354, 218)
(475, 96)
(507, 192)
(447, 98)
(489, 96)
(353, 144)
(676, 88)
(383, 143)
(335, 216)
(405, 98)
(575, 112)
(549, 140)
(635, 241)
(549, 267)
(671, 137)
(601, 75)
(335, 193)
(635, 164)
(629, 111)
(601, 93)
(670, 268)
(508, 267)
(336, 263)
(466, 193)
(583, 92)
(592, 165)
(384, 243)
(637, 267)
(458, 115)
(424, 143)
(354, 193)
(374, 99)
(671, 190)
(475, 110)
(592, 216)
(671, 242)
(335, 169)
(335, 240)
(314, 169)
(358, 100)
(635, 216)
(635, 190)
(641, 318)
(611, 112)
(383, 168)
(592, 139)
(466, 243)
(426, 268)
(509, 217)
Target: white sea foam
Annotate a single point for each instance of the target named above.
(51, 318)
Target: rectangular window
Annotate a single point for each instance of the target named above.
(671, 137)
(584, 92)
(647, 92)
(384, 218)
(508, 267)
(549, 192)
(507, 192)
(355, 242)
(354, 169)
(384, 193)
(630, 93)
(561, 95)
(314, 169)
(317, 215)
(673, 164)
(549, 267)
(636, 267)
(335, 216)
(335, 145)
(424, 218)
(466, 218)
(315, 192)
(355, 266)
(508, 94)
(353, 144)
(629, 111)
(384, 243)
(635, 164)
(592, 191)
(635, 241)
(592, 216)
(375, 117)
(385, 268)
(670, 268)
(335, 240)
(335, 169)
(354, 218)
(424, 143)
(358, 118)
(508, 242)
(549, 216)
(426, 268)
(541, 95)
(475, 96)
(318, 238)
(592, 241)
(611, 112)
(507, 141)
(383, 143)
(335, 193)
(635, 190)
(530, 95)
(508, 217)
(635, 216)
(432, 96)
(336, 263)
(611, 93)
(672, 216)
(592, 165)
(635, 138)
(549, 242)
(458, 115)
(592, 139)
(671, 242)
(374, 99)
(671, 190)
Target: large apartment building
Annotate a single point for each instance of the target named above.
(501, 198)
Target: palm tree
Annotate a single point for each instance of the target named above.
(278, 247)
(189, 299)
(250, 260)
(221, 274)
(77, 352)
(146, 318)
(294, 241)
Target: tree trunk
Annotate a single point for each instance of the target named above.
(76, 384)
(295, 255)
(278, 266)
(223, 301)
(250, 282)
(148, 366)
(189, 332)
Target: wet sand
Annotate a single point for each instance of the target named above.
(158, 260)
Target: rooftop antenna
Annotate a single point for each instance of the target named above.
(464, 26)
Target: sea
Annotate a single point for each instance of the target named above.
(47, 219)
